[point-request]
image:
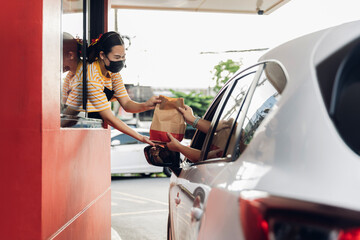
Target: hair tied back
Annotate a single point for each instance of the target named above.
(95, 41)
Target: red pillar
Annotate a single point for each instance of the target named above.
(55, 182)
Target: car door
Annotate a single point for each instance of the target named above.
(190, 189)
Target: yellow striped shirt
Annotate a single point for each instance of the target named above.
(96, 84)
(70, 82)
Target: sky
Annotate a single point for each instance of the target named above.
(166, 46)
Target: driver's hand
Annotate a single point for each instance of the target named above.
(174, 144)
(188, 114)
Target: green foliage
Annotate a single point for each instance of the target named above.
(223, 72)
(197, 101)
(200, 102)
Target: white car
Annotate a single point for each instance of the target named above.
(127, 154)
(289, 166)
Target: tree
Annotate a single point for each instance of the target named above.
(197, 101)
(223, 72)
(200, 102)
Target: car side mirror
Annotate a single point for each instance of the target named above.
(162, 156)
(115, 142)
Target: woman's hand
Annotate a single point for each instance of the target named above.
(188, 114)
(151, 103)
(174, 144)
(145, 139)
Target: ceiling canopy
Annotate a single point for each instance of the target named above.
(230, 6)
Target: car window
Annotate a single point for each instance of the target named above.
(199, 137)
(224, 125)
(266, 94)
(125, 139)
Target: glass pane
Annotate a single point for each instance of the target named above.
(224, 126)
(267, 92)
(71, 82)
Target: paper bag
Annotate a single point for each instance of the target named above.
(167, 119)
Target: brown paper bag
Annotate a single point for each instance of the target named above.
(167, 119)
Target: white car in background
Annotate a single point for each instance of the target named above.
(290, 163)
(127, 154)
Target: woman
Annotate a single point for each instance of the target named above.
(72, 65)
(106, 57)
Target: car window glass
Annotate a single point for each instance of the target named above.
(199, 136)
(74, 39)
(264, 99)
(223, 128)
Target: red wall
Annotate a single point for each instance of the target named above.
(55, 182)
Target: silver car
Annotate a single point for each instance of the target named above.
(289, 166)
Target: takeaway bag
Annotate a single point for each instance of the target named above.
(167, 119)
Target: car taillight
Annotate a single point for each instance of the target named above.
(254, 225)
(350, 234)
(265, 217)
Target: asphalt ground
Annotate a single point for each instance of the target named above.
(139, 207)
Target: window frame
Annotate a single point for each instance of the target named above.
(242, 112)
(218, 114)
(248, 101)
(94, 22)
(224, 93)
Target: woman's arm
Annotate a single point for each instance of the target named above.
(109, 118)
(191, 153)
(135, 107)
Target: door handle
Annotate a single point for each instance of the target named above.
(196, 214)
(196, 211)
(177, 200)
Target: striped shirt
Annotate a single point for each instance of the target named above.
(96, 84)
(70, 82)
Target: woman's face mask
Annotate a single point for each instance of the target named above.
(115, 67)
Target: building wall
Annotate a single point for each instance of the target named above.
(75, 162)
(55, 182)
(20, 119)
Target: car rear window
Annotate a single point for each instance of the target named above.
(339, 81)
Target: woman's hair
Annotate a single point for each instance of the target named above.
(105, 44)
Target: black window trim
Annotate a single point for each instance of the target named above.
(242, 112)
(219, 112)
(209, 136)
(248, 101)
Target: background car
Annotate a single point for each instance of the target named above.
(127, 154)
(290, 163)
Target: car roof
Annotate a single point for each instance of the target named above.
(303, 54)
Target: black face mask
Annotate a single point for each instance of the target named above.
(115, 67)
